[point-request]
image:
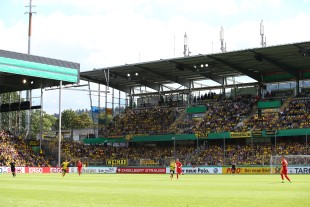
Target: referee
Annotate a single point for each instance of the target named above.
(12, 164)
(233, 168)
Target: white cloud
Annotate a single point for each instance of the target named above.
(108, 33)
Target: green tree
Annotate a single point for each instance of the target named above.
(82, 121)
(15, 119)
(104, 119)
(47, 119)
(67, 117)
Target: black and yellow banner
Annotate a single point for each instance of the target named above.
(34, 143)
(257, 133)
(116, 162)
(240, 134)
(247, 170)
(271, 132)
(148, 162)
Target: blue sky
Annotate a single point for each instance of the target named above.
(102, 33)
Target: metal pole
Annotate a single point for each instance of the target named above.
(41, 119)
(59, 127)
(306, 141)
(252, 148)
(10, 113)
(92, 111)
(224, 151)
(113, 97)
(0, 113)
(275, 142)
(174, 153)
(106, 106)
(99, 98)
(30, 112)
(29, 25)
(197, 147)
(119, 102)
(28, 120)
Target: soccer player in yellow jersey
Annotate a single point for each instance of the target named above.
(64, 166)
(172, 169)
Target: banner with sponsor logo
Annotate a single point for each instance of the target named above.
(199, 170)
(293, 170)
(240, 134)
(42, 169)
(94, 170)
(148, 162)
(257, 133)
(117, 162)
(142, 170)
(31, 170)
(8, 170)
(271, 132)
(248, 170)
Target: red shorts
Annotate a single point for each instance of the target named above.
(179, 171)
(79, 169)
(284, 170)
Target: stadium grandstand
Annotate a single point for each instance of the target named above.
(169, 113)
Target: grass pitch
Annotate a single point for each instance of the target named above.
(120, 190)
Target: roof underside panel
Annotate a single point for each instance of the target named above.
(20, 72)
(267, 64)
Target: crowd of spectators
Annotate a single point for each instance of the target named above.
(144, 121)
(226, 114)
(222, 115)
(231, 114)
(279, 94)
(13, 148)
(190, 155)
(296, 115)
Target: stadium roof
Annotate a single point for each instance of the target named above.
(265, 64)
(39, 72)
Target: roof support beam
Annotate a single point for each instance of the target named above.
(210, 76)
(255, 76)
(201, 88)
(260, 57)
(116, 86)
(175, 79)
(146, 83)
(302, 50)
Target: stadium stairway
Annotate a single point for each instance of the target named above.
(173, 127)
(285, 105)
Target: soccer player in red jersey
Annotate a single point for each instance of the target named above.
(284, 169)
(178, 165)
(79, 167)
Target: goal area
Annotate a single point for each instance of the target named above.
(292, 160)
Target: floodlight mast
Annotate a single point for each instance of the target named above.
(28, 93)
(30, 23)
(185, 45)
(223, 46)
(263, 40)
(186, 51)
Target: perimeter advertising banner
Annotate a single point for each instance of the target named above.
(8, 170)
(293, 170)
(141, 170)
(31, 170)
(240, 134)
(248, 170)
(148, 162)
(117, 162)
(94, 170)
(199, 170)
(43, 169)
